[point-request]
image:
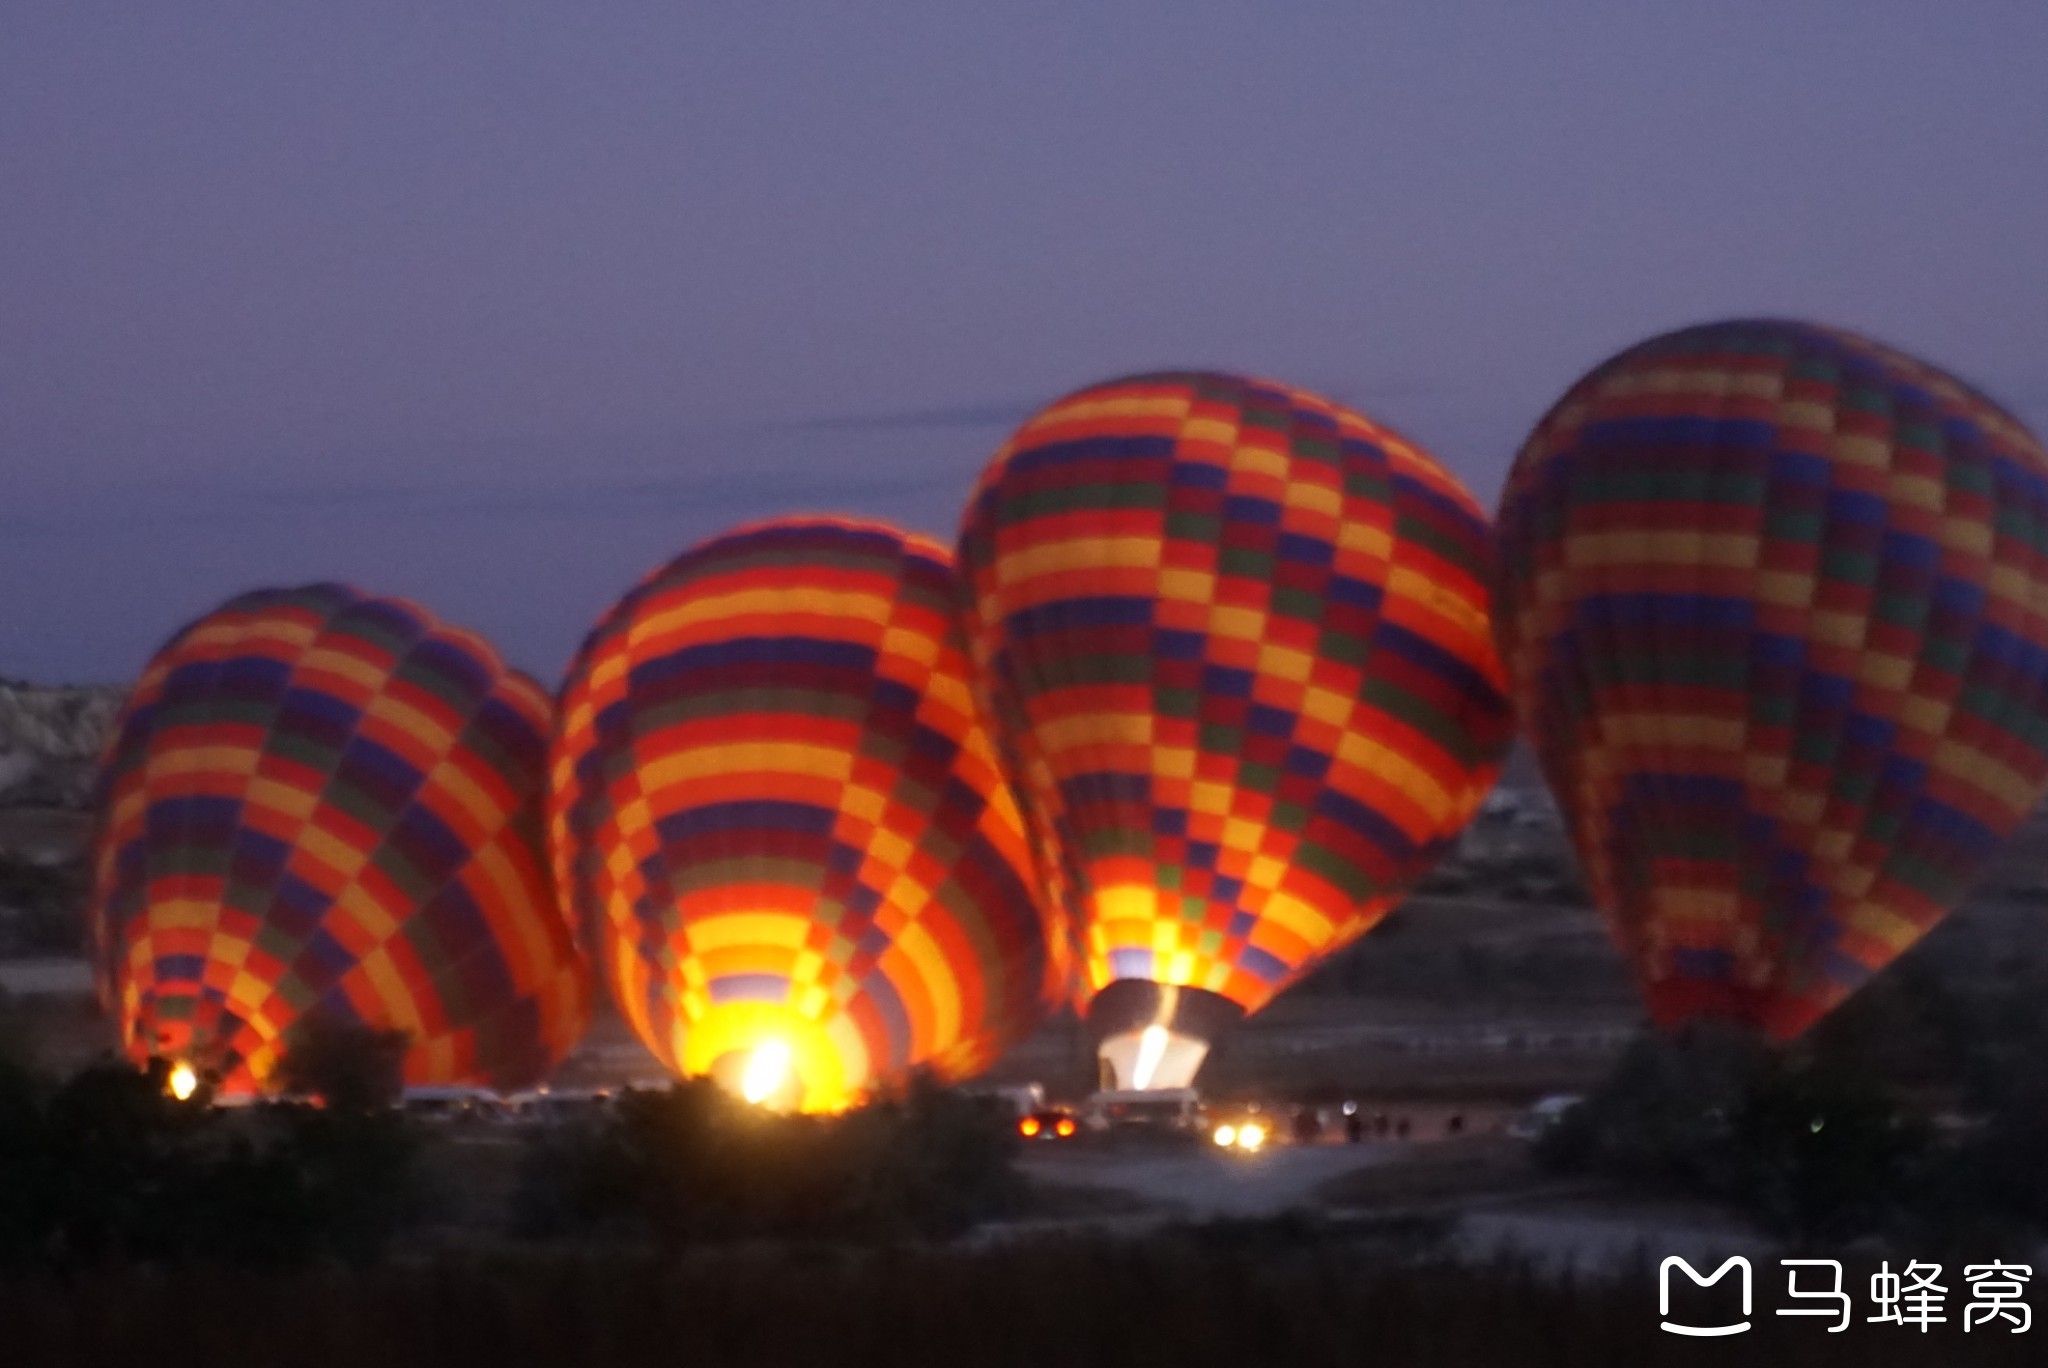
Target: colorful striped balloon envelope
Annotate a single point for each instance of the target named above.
(1236, 638)
(323, 805)
(1775, 605)
(776, 808)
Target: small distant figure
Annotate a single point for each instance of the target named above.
(1308, 1127)
(1456, 1125)
(1401, 1129)
(1354, 1128)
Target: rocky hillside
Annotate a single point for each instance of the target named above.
(50, 739)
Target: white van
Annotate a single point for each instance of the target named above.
(1171, 1111)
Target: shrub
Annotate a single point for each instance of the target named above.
(1808, 1147)
(349, 1067)
(693, 1164)
(107, 1168)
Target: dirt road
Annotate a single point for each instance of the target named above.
(1202, 1184)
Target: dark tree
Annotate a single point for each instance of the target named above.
(350, 1068)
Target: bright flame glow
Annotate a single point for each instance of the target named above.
(1065, 1127)
(183, 1082)
(1251, 1137)
(1151, 1049)
(767, 1069)
(1226, 1136)
(1028, 1127)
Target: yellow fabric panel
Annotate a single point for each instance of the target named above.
(1213, 430)
(1095, 410)
(889, 848)
(813, 600)
(1292, 914)
(1461, 614)
(1266, 872)
(392, 992)
(366, 674)
(1260, 460)
(1806, 415)
(356, 903)
(1967, 536)
(1079, 553)
(951, 693)
(1315, 498)
(1927, 716)
(1240, 834)
(908, 895)
(1594, 550)
(451, 779)
(180, 914)
(293, 802)
(775, 757)
(1187, 586)
(412, 721)
(1883, 925)
(1802, 806)
(1284, 662)
(1784, 589)
(1063, 735)
(1871, 453)
(187, 761)
(1965, 762)
(1832, 844)
(719, 932)
(1361, 752)
(864, 803)
(1918, 491)
(1765, 771)
(1327, 705)
(1243, 624)
(928, 961)
(1365, 539)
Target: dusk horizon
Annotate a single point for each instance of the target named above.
(498, 313)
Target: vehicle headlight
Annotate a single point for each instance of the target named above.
(1226, 1136)
(1251, 1137)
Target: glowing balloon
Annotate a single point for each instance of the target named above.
(777, 810)
(1774, 603)
(1236, 639)
(320, 804)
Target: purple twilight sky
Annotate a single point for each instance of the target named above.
(497, 305)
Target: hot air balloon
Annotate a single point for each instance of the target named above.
(1773, 604)
(323, 806)
(1236, 640)
(778, 813)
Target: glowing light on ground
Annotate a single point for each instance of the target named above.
(767, 1071)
